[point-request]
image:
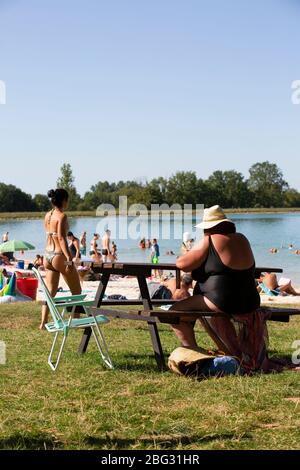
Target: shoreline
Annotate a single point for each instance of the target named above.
(7, 216)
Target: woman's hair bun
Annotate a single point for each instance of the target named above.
(51, 193)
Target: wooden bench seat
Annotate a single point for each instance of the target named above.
(155, 317)
(174, 317)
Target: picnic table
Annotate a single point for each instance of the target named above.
(152, 317)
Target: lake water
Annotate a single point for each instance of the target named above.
(263, 230)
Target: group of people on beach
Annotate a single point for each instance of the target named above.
(220, 269)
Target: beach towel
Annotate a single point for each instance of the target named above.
(10, 288)
(2, 281)
(242, 336)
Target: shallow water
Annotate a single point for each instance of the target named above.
(263, 230)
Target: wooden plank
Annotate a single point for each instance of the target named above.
(175, 316)
(108, 302)
(98, 299)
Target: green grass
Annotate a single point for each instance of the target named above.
(85, 406)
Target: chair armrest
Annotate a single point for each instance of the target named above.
(81, 303)
(69, 298)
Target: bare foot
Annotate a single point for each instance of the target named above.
(42, 326)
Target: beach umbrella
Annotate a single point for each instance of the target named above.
(15, 245)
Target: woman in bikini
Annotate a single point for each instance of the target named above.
(58, 259)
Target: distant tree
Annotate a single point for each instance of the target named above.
(66, 181)
(13, 199)
(229, 189)
(41, 202)
(182, 188)
(157, 189)
(291, 198)
(267, 185)
(100, 193)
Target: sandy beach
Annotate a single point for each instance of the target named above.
(128, 287)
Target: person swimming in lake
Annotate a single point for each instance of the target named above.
(142, 244)
(187, 243)
(94, 253)
(58, 259)
(114, 251)
(83, 243)
(106, 248)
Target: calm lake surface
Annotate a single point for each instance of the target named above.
(263, 231)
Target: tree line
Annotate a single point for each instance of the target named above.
(265, 188)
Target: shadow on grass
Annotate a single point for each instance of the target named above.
(139, 362)
(30, 441)
(156, 441)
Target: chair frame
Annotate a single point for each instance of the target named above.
(61, 325)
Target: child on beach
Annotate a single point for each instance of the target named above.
(154, 256)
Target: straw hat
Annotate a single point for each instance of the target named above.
(212, 217)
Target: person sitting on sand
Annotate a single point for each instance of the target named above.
(4, 260)
(38, 262)
(283, 286)
(182, 293)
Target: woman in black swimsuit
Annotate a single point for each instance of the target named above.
(74, 246)
(223, 266)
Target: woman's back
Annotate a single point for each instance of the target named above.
(52, 221)
(227, 277)
(234, 250)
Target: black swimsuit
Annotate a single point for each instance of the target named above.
(233, 291)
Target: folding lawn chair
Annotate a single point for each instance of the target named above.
(58, 308)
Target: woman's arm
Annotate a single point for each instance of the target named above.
(61, 235)
(194, 258)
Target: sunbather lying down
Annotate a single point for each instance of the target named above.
(283, 286)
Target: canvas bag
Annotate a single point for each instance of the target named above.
(189, 362)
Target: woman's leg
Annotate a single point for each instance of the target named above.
(73, 281)
(288, 289)
(71, 277)
(52, 281)
(185, 330)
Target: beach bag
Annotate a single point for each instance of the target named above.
(158, 292)
(190, 362)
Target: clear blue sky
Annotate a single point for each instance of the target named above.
(126, 89)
